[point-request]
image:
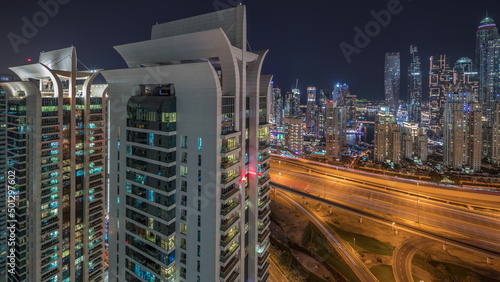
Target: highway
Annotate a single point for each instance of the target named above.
(401, 262)
(455, 223)
(359, 268)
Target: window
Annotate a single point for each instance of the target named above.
(184, 157)
(183, 214)
(199, 236)
(184, 171)
(199, 220)
(198, 266)
(184, 142)
(199, 250)
(199, 160)
(199, 175)
(199, 190)
(183, 258)
(183, 200)
(184, 229)
(200, 143)
(199, 205)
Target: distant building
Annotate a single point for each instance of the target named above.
(292, 104)
(294, 135)
(340, 93)
(387, 140)
(486, 30)
(495, 135)
(335, 130)
(323, 98)
(414, 87)
(276, 109)
(392, 80)
(462, 133)
(440, 79)
(415, 143)
(311, 122)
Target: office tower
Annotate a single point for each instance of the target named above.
(495, 135)
(294, 133)
(414, 141)
(351, 109)
(486, 29)
(189, 165)
(463, 132)
(335, 130)
(276, 109)
(340, 93)
(387, 137)
(392, 80)
(311, 111)
(292, 104)
(463, 73)
(324, 96)
(56, 130)
(440, 79)
(414, 87)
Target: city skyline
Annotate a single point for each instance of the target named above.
(293, 24)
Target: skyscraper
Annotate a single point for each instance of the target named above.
(387, 138)
(311, 122)
(276, 109)
(495, 135)
(189, 177)
(440, 79)
(392, 80)
(324, 96)
(56, 130)
(335, 130)
(486, 29)
(414, 87)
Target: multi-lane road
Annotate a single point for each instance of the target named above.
(423, 211)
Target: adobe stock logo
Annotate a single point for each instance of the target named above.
(372, 29)
(50, 8)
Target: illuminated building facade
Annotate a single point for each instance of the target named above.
(414, 141)
(336, 127)
(56, 130)
(189, 175)
(495, 135)
(414, 87)
(462, 134)
(311, 122)
(387, 140)
(440, 79)
(392, 80)
(276, 110)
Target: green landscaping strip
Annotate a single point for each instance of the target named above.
(368, 244)
(383, 272)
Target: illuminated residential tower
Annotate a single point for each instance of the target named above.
(189, 154)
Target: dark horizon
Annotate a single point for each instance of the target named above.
(303, 39)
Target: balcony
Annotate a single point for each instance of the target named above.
(264, 157)
(264, 167)
(228, 254)
(262, 226)
(227, 179)
(264, 202)
(233, 276)
(264, 179)
(263, 258)
(263, 270)
(226, 239)
(263, 213)
(228, 223)
(228, 193)
(230, 148)
(227, 208)
(226, 270)
(264, 145)
(264, 190)
(264, 236)
(226, 163)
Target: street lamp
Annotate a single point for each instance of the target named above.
(279, 167)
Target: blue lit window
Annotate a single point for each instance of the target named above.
(200, 143)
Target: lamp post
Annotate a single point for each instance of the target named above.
(279, 167)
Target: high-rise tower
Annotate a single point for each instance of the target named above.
(56, 128)
(189, 154)
(486, 29)
(440, 79)
(392, 80)
(311, 121)
(414, 87)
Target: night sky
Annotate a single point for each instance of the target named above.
(303, 36)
